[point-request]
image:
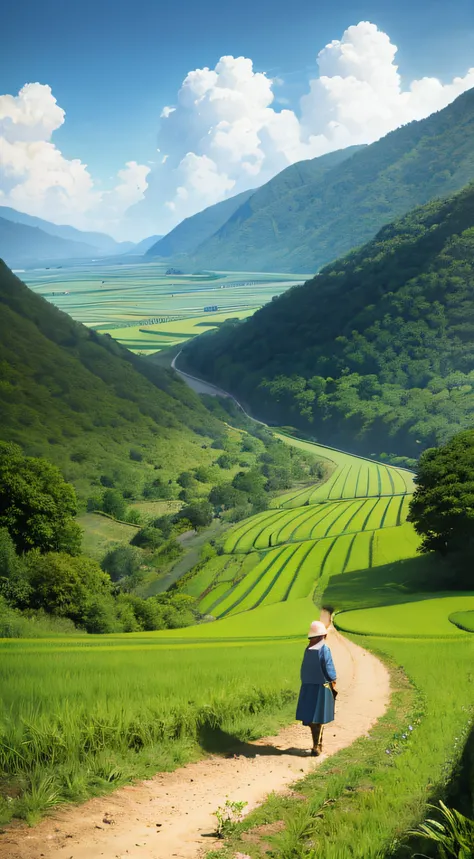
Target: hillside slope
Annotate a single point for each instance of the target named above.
(186, 237)
(83, 401)
(22, 245)
(302, 229)
(101, 243)
(194, 233)
(143, 246)
(376, 353)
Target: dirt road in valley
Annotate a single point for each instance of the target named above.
(171, 815)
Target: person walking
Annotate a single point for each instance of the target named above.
(318, 686)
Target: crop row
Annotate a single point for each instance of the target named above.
(291, 571)
(354, 479)
(274, 528)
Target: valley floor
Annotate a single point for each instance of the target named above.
(172, 813)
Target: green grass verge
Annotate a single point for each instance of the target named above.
(360, 802)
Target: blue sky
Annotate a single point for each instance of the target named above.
(112, 66)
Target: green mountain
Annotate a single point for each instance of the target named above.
(374, 354)
(302, 226)
(186, 237)
(104, 415)
(99, 244)
(201, 229)
(22, 245)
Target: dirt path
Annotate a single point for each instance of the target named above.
(172, 814)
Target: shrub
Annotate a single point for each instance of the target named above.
(122, 562)
(148, 538)
(225, 461)
(199, 514)
(113, 503)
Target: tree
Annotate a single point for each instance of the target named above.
(148, 537)
(199, 514)
(226, 495)
(122, 562)
(14, 585)
(37, 506)
(113, 503)
(442, 508)
(225, 461)
(65, 586)
(202, 474)
(186, 479)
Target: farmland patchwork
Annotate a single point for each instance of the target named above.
(354, 521)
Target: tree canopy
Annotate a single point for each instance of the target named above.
(37, 506)
(442, 509)
(376, 353)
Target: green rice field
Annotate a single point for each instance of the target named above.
(355, 520)
(81, 715)
(148, 310)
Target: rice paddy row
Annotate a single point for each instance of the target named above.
(146, 309)
(355, 520)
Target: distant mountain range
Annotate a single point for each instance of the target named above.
(315, 211)
(23, 245)
(142, 247)
(26, 240)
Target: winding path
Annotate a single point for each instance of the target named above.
(171, 815)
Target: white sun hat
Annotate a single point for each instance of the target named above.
(317, 628)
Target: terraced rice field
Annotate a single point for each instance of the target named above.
(354, 521)
(145, 309)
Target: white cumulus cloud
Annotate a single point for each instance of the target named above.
(36, 178)
(227, 132)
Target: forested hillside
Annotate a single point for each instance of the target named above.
(104, 415)
(234, 213)
(375, 354)
(186, 237)
(301, 226)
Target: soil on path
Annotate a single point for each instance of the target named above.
(171, 815)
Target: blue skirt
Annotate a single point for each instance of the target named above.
(315, 704)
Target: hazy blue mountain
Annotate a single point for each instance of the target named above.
(186, 237)
(143, 246)
(22, 245)
(306, 217)
(99, 243)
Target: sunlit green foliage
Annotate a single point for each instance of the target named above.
(375, 354)
(315, 211)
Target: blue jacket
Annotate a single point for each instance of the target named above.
(317, 667)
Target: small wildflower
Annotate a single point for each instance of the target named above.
(388, 752)
(410, 727)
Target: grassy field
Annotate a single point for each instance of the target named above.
(148, 310)
(101, 534)
(312, 534)
(82, 715)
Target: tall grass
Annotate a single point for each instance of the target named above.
(361, 802)
(77, 718)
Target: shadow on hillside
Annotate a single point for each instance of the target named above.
(392, 584)
(217, 741)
